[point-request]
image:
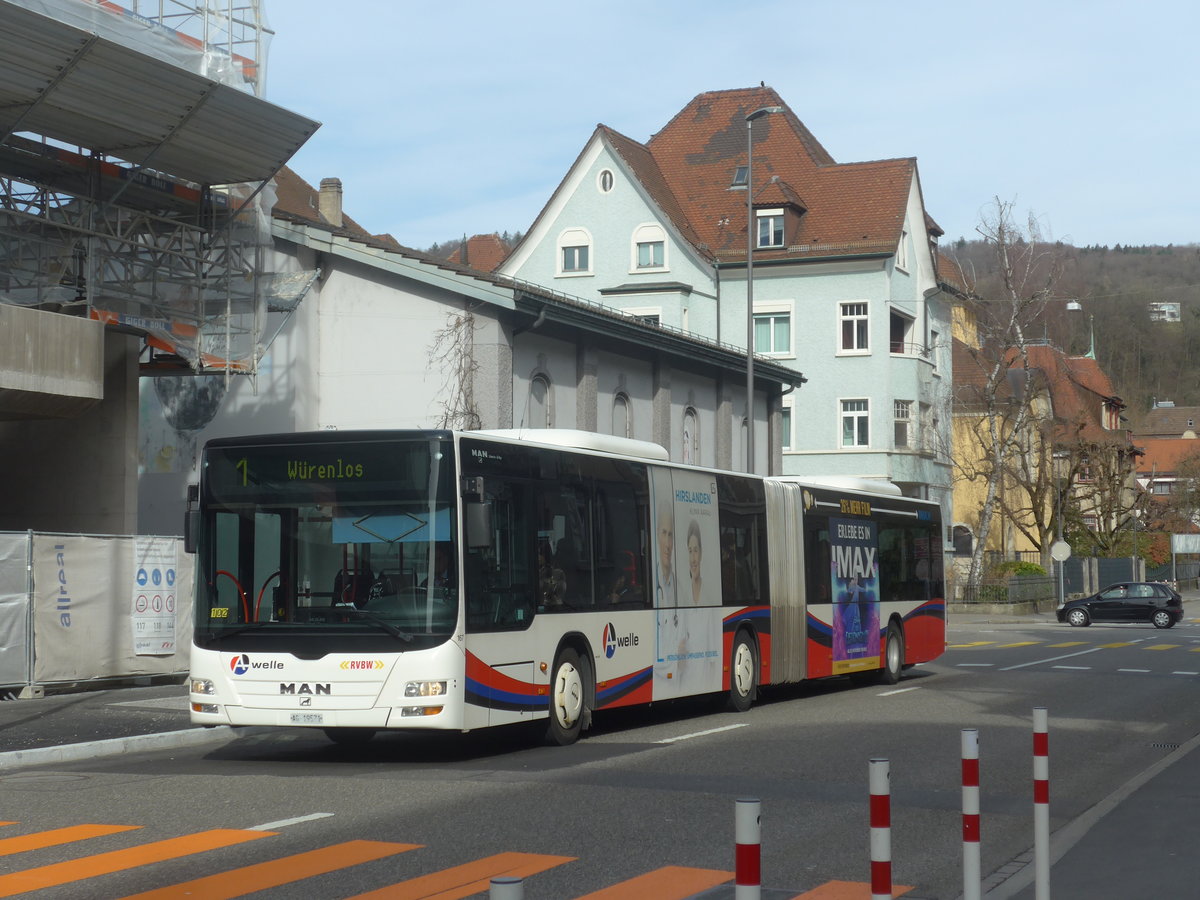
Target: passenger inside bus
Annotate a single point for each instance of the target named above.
(443, 571)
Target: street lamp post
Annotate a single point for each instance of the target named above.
(757, 114)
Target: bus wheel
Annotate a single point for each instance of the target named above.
(350, 737)
(893, 656)
(743, 664)
(568, 693)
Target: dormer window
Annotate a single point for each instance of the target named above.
(770, 228)
(740, 176)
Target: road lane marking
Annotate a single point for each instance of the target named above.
(277, 872)
(1139, 671)
(61, 873)
(847, 890)
(696, 734)
(667, 883)
(1042, 662)
(974, 665)
(58, 836)
(468, 879)
(1185, 673)
(284, 823)
(897, 691)
(1066, 644)
(1117, 645)
(1074, 668)
(971, 644)
(1162, 646)
(1018, 644)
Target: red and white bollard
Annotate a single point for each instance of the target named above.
(748, 854)
(1041, 804)
(881, 830)
(972, 875)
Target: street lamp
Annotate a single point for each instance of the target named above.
(757, 114)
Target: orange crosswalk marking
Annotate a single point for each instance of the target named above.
(262, 876)
(53, 838)
(465, 880)
(847, 890)
(667, 883)
(119, 860)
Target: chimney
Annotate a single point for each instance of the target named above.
(330, 202)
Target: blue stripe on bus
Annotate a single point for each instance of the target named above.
(618, 688)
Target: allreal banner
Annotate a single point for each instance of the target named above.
(83, 620)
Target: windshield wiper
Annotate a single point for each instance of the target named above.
(386, 626)
(230, 632)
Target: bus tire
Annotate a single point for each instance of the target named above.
(743, 669)
(568, 698)
(350, 737)
(893, 655)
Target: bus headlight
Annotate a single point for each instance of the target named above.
(420, 710)
(210, 708)
(203, 686)
(425, 689)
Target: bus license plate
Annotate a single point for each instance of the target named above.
(307, 718)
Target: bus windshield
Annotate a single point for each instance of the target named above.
(328, 545)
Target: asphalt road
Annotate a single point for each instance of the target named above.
(646, 789)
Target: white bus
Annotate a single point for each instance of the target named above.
(361, 581)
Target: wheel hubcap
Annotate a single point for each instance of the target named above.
(568, 695)
(743, 670)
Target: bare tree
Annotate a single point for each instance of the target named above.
(453, 351)
(1000, 393)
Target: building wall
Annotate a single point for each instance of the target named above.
(611, 219)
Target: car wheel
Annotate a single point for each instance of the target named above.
(893, 656)
(1078, 617)
(743, 665)
(1162, 619)
(568, 699)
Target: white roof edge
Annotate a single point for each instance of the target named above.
(847, 482)
(579, 440)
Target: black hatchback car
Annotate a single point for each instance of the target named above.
(1128, 601)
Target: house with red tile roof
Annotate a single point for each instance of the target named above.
(735, 199)
(1073, 431)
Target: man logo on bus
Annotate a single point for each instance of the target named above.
(240, 665)
(612, 642)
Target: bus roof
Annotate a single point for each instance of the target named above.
(579, 440)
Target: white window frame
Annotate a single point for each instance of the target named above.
(863, 414)
(621, 402)
(612, 180)
(854, 312)
(902, 251)
(762, 216)
(642, 312)
(777, 309)
(902, 419)
(648, 233)
(787, 427)
(543, 379)
(690, 437)
(908, 346)
(573, 237)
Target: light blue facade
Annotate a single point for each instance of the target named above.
(908, 322)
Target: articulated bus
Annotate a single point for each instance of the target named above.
(360, 581)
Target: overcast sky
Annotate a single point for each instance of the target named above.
(460, 116)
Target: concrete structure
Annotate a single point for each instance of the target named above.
(845, 281)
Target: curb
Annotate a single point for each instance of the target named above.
(38, 756)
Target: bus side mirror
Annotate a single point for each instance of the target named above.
(478, 518)
(191, 519)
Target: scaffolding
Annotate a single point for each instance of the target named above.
(136, 163)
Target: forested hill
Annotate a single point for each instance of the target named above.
(1121, 290)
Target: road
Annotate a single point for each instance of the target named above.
(644, 790)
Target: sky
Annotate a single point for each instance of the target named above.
(451, 118)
